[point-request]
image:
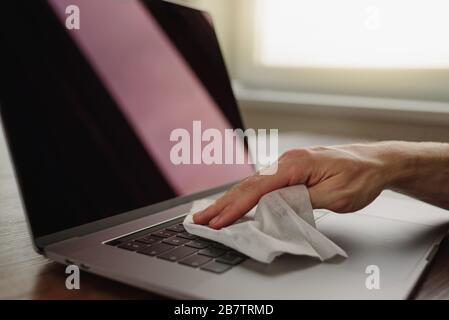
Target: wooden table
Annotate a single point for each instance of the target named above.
(26, 275)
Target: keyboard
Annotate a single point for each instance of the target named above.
(171, 242)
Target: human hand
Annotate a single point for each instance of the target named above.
(341, 178)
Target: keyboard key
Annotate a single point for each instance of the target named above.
(220, 246)
(176, 241)
(231, 258)
(148, 239)
(133, 246)
(195, 260)
(187, 235)
(216, 267)
(176, 228)
(163, 233)
(178, 253)
(212, 252)
(237, 253)
(156, 249)
(199, 244)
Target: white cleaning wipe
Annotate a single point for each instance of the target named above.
(282, 222)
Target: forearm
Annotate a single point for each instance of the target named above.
(343, 178)
(419, 169)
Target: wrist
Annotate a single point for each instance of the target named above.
(398, 162)
(408, 163)
(388, 160)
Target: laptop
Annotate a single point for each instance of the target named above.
(88, 112)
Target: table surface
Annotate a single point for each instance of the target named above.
(24, 274)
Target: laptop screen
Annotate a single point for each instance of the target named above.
(94, 115)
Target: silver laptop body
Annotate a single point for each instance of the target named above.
(397, 235)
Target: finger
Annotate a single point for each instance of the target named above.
(204, 216)
(245, 196)
(232, 213)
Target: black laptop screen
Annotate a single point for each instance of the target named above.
(89, 112)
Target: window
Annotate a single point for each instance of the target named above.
(377, 48)
(394, 34)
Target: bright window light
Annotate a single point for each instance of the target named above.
(353, 33)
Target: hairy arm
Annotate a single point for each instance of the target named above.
(344, 178)
(421, 170)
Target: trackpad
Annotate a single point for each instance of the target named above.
(395, 247)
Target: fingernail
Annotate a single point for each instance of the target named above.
(196, 216)
(214, 220)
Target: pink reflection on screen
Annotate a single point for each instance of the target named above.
(152, 84)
